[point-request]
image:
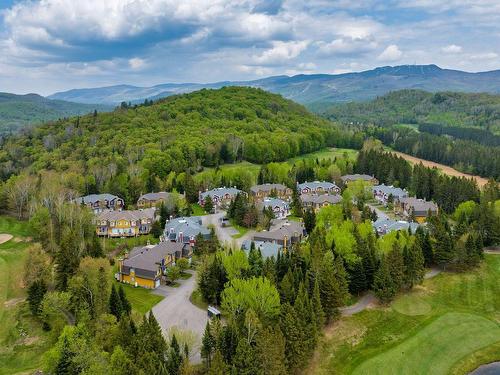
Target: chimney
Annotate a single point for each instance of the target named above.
(181, 237)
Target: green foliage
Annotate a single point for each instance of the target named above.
(36, 292)
(256, 293)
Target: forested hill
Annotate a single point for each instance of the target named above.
(135, 147)
(19, 111)
(418, 107)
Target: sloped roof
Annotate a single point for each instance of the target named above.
(274, 202)
(220, 192)
(321, 198)
(131, 215)
(150, 256)
(189, 226)
(390, 190)
(94, 198)
(154, 196)
(389, 225)
(268, 188)
(419, 205)
(325, 185)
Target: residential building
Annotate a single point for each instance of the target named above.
(384, 193)
(316, 202)
(221, 197)
(386, 225)
(280, 208)
(145, 265)
(259, 192)
(185, 230)
(127, 223)
(152, 199)
(318, 187)
(416, 209)
(267, 249)
(286, 234)
(357, 177)
(101, 202)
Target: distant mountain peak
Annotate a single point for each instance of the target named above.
(310, 88)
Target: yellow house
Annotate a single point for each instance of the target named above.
(125, 223)
(416, 209)
(145, 265)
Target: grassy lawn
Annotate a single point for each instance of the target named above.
(142, 300)
(328, 153)
(22, 341)
(450, 324)
(197, 300)
(241, 230)
(198, 210)
(110, 244)
(293, 218)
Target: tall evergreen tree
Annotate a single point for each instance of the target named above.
(115, 304)
(294, 335)
(414, 270)
(383, 285)
(124, 302)
(270, 352)
(174, 357)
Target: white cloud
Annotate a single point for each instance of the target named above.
(136, 63)
(391, 53)
(484, 56)
(452, 48)
(346, 46)
(281, 52)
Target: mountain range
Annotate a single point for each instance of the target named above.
(18, 111)
(311, 89)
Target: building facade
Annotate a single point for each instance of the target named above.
(145, 266)
(317, 202)
(318, 187)
(280, 208)
(152, 199)
(260, 192)
(221, 197)
(416, 209)
(127, 223)
(384, 193)
(101, 202)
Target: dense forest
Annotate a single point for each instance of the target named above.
(131, 150)
(418, 107)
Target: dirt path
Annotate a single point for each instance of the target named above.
(481, 181)
(5, 237)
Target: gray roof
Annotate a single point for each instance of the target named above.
(388, 225)
(154, 196)
(188, 226)
(147, 213)
(146, 259)
(419, 205)
(267, 249)
(321, 198)
(390, 190)
(289, 229)
(325, 185)
(355, 177)
(274, 202)
(220, 192)
(94, 198)
(268, 188)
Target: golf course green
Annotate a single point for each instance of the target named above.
(448, 325)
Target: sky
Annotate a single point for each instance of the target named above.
(54, 45)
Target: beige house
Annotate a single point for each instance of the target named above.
(260, 192)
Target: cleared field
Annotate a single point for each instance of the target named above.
(481, 181)
(448, 325)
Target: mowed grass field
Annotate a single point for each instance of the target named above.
(22, 341)
(448, 325)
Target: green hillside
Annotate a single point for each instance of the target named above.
(132, 150)
(418, 107)
(19, 111)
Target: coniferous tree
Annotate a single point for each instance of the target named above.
(309, 220)
(396, 266)
(64, 365)
(255, 261)
(174, 357)
(270, 352)
(287, 288)
(307, 317)
(424, 242)
(124, 302)
(217, 365)
(357, 278)
(383, 286)
(317, 307)
(208, 204)
(207, 345)
(332, 295)
(66, 259)
(244, 360)
(36, 292)
(115, 304)
(414, 270)
(294, 335)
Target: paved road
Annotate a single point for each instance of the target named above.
(175, 310)
(225, 234)
(369, 299)
(380, 214)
